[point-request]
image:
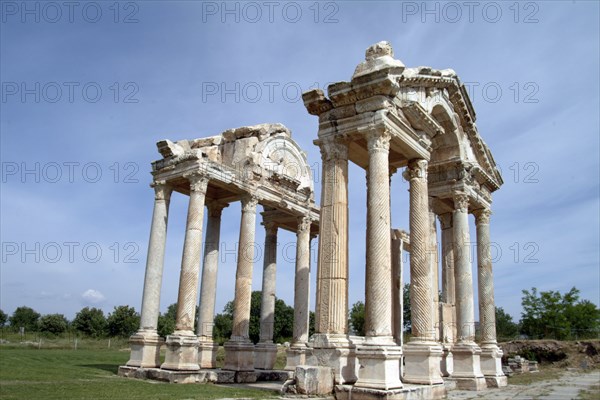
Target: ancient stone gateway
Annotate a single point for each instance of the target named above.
(388, 117)
(255, 165)
(420, 119)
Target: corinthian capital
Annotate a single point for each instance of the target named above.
(461, 201)
(304, 224)
(417, 169)
(270, 227)
(162, 191)
(249, 204)
(378, 141)
(482, 216)
(333, 148)
(198, 181)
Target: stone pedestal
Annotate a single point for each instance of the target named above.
(239, 356)
(182, 353)
(207, 354)
(467, 370)
(491, 365)
(314, 380)
(265, 355)
(145, 350)
(338, 353)
(422, 363)
(379, 366)
(296, 355)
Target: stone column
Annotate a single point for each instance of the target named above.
(435, 268)
(466, 353)
(422, 354)
(331, 311)
(207, 348)
(379, 356)
(145, 343)
(447, 308)
(296, 354)
(266, 351)
(491, 354)
(239, 350)
(397, 287)
(182, 345)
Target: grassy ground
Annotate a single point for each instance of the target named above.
(593, 393)
(545, 374)
(31, 374)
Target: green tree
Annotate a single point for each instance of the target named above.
(25, 317)
(3, 319)
(53, 324)
(166, 321)
(357, 318)
(552, 315)
(123, 321)
(505, 327)
(283, 324)
(406, 311)
(90, 322)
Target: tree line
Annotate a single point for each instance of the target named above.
(545, 315)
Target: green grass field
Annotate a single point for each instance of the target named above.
(48, 374)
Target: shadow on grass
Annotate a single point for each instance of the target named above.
(112, 368)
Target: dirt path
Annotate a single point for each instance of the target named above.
(567, 387)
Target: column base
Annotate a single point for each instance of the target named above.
(207, 353)
(182, 353)
(467, 368)
(239, 356)
(379, 364)
(447, 362)
(491, 365)
(337, 352)
(265, 355)
(145, 349)
(422, 363)
(296, 355)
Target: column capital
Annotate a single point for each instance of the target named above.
(215, 208)
(162, 191)
(445, 220)
(249, 203)
(333, 148)
(378, 140)
(198, 181)
(416, 169)
(270, 227)
(304, 223)
(461, 201)
(482, 216)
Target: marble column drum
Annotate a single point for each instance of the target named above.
(466, 353)
(422, 354)
(491, 354)
(265, 351)
(182, 345)
(239, 350)
(145, 343)
(207, 348)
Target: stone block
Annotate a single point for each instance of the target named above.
(239, 356)
(265, 355)
(245, 377)
(145, 350)
(207, 354)
(379, 366)
(314, 380)
(182, 353)
(422, 363)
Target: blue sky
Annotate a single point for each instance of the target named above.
(87, 91)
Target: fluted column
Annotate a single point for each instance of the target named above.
(491, 354)
(448, 287)
(145, 344)
(331, 313)
(422, 354)
(182, 351)
(296, 354)
(465, 312)
(435, 268)
(466, 353)
(239, 350)
(302, 282)
(207, 349)
(266, 351)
